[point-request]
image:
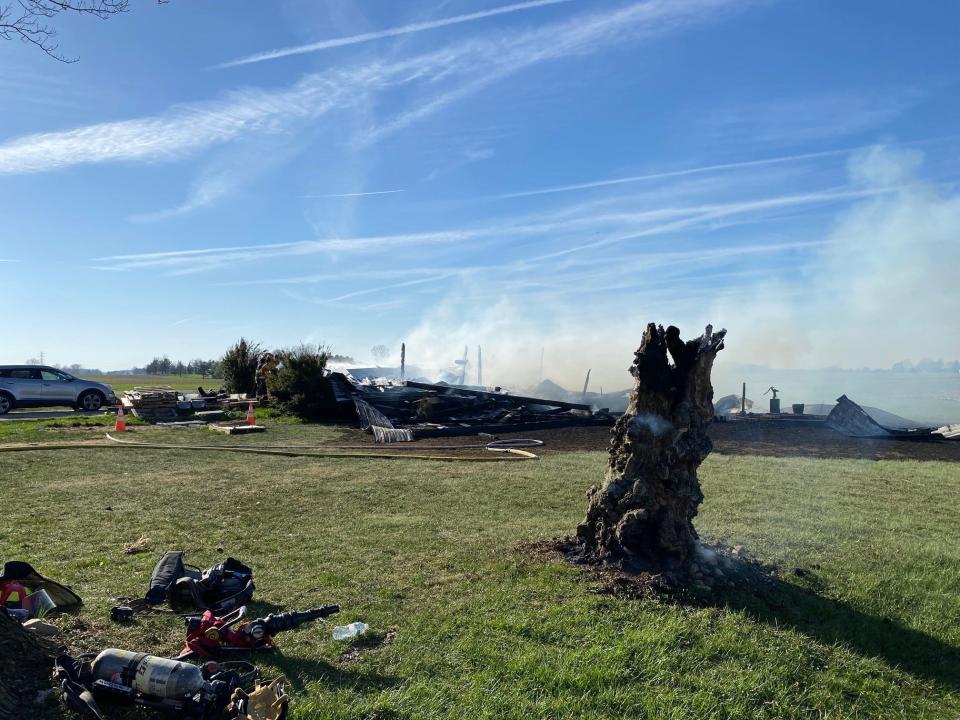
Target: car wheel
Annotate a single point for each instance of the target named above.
(91, 400)
(6, 403)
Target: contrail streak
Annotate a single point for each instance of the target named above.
(672, 173)
(355, 194)
(389, 32)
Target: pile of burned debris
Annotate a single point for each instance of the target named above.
(409, 410)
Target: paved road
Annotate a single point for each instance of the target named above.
(45, 414)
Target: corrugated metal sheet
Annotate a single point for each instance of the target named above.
(852, 420)
(342, 388)
(390, 435)
(950, 432)
(370, 416)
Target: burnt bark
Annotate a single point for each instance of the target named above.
(642, 515)
(25, 665)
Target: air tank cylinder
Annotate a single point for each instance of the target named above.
(154, 676)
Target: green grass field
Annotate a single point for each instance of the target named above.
(432, 553)
(184, 383)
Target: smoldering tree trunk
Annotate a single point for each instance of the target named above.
(25, 666)
(643, 513)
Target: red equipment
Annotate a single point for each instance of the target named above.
(12, 594)
(209, 636)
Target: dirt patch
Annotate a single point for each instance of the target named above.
(367, 643)
(811, 438)
(752, 436)
(779, 438)
(717, 568)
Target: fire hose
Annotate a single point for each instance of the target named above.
(505, 447)
(507, 450)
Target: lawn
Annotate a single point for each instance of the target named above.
(480, 628)
(183, 383)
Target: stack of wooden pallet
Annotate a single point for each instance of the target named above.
(151, 401)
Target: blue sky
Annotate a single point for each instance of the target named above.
(528, 175)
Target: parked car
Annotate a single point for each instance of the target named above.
(38, 385)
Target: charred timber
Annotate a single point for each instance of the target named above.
(516, 399)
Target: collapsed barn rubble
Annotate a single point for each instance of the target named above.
(845, 417)
(407, 410)
(852, 420)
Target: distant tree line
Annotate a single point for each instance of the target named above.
(926, 365)
(166, 366)
(78, 369)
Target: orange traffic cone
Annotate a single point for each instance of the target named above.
(251, 420)
(121, 423)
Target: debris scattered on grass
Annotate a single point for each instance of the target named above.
(141, 545)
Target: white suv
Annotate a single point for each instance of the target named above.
(38, 386)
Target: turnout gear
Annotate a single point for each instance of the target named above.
(23, 573)
(221, 588)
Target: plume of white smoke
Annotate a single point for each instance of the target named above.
(514, 337)
(883, 287)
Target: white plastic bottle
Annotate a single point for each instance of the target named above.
(345, 632)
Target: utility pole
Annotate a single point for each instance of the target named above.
(403, 361)
(463, 366)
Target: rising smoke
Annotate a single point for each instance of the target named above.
(881, 288)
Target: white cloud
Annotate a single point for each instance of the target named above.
(182, 130)
(705, 169)
(618, 227)
(466, 66)
(477, 154)
(204, 192)
(225, 174)
(830, 114)
(583, 34)
(390, 32)
(613, 227)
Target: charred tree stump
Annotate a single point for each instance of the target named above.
(25, 665)
(642, 516)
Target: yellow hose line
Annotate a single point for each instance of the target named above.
(515, 453)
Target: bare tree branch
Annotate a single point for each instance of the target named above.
(27, 20)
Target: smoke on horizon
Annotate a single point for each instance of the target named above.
(882, 287)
